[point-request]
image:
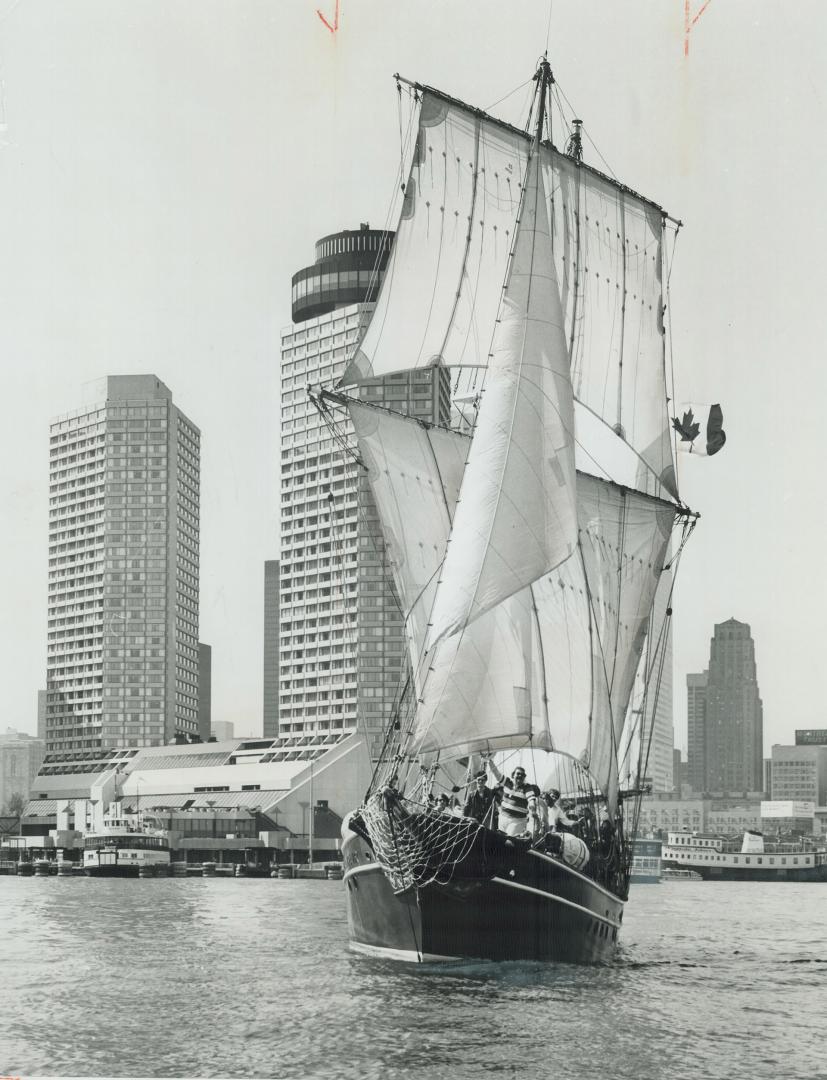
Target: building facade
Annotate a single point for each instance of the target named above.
(696, 731)
(20, 758)
(122, 654)
(204, 691)
(799, 773)
(341, 646)
(270, 725)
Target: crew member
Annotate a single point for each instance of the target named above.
(518, 802)
(556, 815)
(480, 800)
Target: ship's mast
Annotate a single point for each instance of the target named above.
(545, 79)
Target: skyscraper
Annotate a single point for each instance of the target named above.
(659, 728)
(122, 656)
(341, 645)
(696, 730)
(734, 722)
(270, 728)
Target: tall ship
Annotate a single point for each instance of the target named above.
(751, 857)
(525, 539)
(127, 846)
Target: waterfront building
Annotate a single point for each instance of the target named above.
(811, 737)
(696, 730)
(341, 646)
(20, 758)
(270, 726)
(661, 812)
(122, 661)
(204, 691)
(799, 773)
(280, 783)
(789, 815)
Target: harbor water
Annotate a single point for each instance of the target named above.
(252, 978)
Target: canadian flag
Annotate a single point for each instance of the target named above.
(700, 429)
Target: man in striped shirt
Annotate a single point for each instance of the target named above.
(518, 802)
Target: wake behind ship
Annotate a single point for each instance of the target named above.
(526, 541)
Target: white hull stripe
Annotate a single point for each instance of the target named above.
(558, 900)
(576, 873)
(363, 869)
(411, 956)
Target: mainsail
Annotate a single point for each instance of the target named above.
(441, 295)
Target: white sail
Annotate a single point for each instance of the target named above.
(441, 292)
(415, 474)
(516, 518)
(551, 666)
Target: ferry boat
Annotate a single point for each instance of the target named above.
(126, 846)
(646, 861)
(751, 858)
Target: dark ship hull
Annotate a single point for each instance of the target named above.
(506, 903)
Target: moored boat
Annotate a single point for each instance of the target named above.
(126, 846)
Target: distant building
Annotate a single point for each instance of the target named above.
(122, 666)
(678, 770)
(223, 730)
(659, 697)
(811, 737)
(20, 758)
(270, 727)
(799, 773)
(41, 715)
(696, 731)
(341, 642)
(725, 716)
(204, 691)
(789, 815)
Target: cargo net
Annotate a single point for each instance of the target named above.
(414, 844)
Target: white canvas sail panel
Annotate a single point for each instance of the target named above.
(415, 474)
(441, 293)
(553, 666)
(517, 517)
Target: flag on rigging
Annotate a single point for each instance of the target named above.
(700, 429)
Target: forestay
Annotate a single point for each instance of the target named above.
(441, 294)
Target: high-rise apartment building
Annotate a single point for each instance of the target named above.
(122, 663)
(341, 644)
(270, 726)
(696, 730)
(734, 721)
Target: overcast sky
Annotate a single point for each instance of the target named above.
(166, 165)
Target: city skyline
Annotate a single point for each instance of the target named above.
(171, 222)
